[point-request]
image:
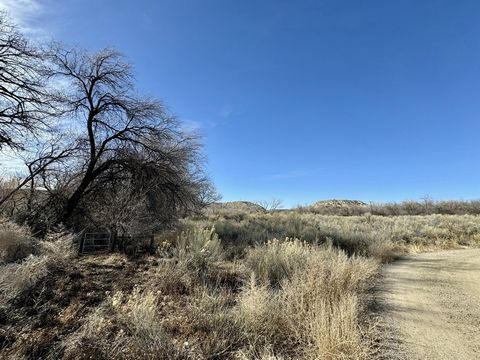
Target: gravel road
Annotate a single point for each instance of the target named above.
(431, 306)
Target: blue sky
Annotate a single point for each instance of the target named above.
(303, 100)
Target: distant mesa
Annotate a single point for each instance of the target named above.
(338, 204)
(236, 206)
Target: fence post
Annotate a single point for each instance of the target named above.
(152, 241)
(80, 248)
(113, 242)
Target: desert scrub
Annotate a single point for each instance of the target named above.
(319, 308)
(138, 313)
(197, 248)
(195, 257)
(324, 305)
(370, 235)
(126, 326)
(277, 260)
(218, 328)
(18, 280)
(16, 243)
(142, 334)
(302, 301)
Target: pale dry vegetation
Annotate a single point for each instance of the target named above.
(382, 237)
(192, 302)
(273, 285)
(425, 207)
(317, 303)
(16, 243)
(20, 276)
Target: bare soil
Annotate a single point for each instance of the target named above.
(432, 306)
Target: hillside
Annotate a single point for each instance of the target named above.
(338, 203)
(235, 207)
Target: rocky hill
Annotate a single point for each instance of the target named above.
(339, 207)
(338, 203)
(235, 207)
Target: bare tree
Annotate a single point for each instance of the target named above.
(38, 160)
(23, 101)
(6, 185)
(270, 205)
(124, 138)
(116, 148)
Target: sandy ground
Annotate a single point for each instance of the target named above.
(431, 306)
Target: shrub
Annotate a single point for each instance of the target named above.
(16, 242)
(138, 313)
(262, 321)
(368, 235)
(195, 257)
(135, 326)
(277, 260)
(198, 248)
(317, 313)
(18, 280)
(88, 341)
(213, 318)
(173, 277)
(59, 247)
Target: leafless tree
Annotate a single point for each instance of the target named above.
(124, 139)
(38, 160)
(24, 105)
(270, 205)
(6, 185)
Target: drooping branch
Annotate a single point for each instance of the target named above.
(25, 105)
(44, 158)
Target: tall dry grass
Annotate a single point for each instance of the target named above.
(18, 279)
(319, 307)
(16, 243)
(300, 301)
(277, 260)
(426, 206)
(227, 288)
(368, 235)
(135, 327)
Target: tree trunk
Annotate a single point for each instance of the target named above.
(74, 200)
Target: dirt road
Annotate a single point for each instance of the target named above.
(432, 306)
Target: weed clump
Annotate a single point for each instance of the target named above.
(16, 243)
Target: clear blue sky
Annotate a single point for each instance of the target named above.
(305, 100)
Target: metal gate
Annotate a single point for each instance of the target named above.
(96, 242)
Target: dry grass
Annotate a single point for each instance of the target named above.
(277, 260)
(425, 207)
(302, 301)
(16, 242)
(324, 305)
(198, 248)
(17, 280)
(319, 308)
(224, 288)
(368, 235)
(141, 327)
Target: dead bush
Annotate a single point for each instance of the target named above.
(16, 243)
(317, 313)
